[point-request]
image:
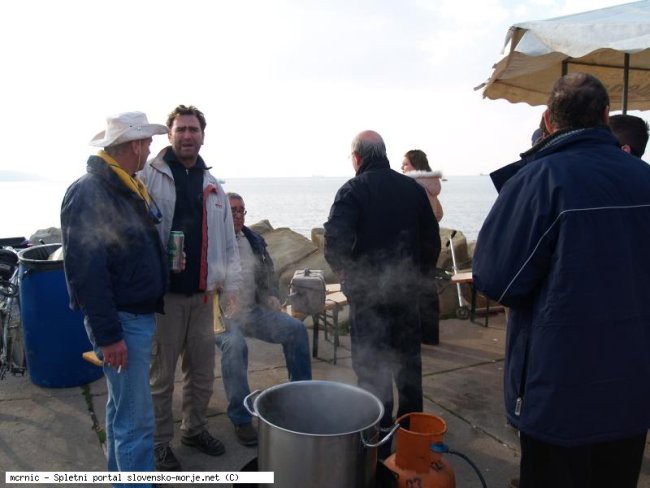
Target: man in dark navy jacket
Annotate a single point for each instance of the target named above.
(116, 271)
(565, 247)
(383, 240)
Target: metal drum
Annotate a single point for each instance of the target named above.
(318, 434)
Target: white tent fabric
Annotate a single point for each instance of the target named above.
(595, 42)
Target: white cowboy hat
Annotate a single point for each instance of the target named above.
(125, 127)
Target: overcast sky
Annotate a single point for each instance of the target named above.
(284, 84)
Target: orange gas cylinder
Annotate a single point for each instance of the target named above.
(414, 462)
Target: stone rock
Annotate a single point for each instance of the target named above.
(463, 260)
(51, 235)
(471, 245)
(287, 247)
(261, 227)
(448, 298)
(318, 237)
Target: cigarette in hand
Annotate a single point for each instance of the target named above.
(119, 369)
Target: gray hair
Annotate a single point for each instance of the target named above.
(236, 196)
(369, 145)
(117, 149)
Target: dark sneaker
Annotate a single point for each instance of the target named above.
(205, 443)
(165, 459)
(246, 434)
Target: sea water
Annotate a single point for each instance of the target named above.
(298, 203)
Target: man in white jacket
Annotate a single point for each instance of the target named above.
(191, 201)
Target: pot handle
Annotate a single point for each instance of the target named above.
(251, 409)
(383, 441)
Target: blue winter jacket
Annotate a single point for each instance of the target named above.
(114, 260)
(567, 247)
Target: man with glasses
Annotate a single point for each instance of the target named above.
(115, 267)
(191, 201)
(258, 315)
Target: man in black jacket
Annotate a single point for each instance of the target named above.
(116, 271)
(383, 240)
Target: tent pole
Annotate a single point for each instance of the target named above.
(626, 80)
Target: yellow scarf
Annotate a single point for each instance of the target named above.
(133, 183)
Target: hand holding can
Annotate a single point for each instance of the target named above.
(176, 251)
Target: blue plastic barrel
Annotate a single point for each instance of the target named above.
(54, 335)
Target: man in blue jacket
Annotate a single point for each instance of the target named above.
(565, 247)
(116, 271)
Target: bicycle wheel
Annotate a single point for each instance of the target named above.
(4, 362)
(8, 289)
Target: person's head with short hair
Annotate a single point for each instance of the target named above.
(415, 160)
(577, 101)
(367, 145)
(127, 139)
(631, 132)
(185, 110)
(238, 209)
(186, 133)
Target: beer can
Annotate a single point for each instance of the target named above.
(175, 250)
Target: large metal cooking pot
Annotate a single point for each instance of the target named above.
(318, 434)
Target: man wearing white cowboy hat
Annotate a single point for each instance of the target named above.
(116, 271)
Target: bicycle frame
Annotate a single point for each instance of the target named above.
(12, 354)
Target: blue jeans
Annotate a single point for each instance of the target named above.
(129, 410)
(234, 372)
(269, 326)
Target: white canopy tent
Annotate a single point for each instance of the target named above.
(612, 44)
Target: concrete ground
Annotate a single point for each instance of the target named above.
(52, 429)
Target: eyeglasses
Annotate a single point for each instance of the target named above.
(238, 211)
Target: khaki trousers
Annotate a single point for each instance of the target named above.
(185, 330)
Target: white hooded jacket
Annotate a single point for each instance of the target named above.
(430, 181)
